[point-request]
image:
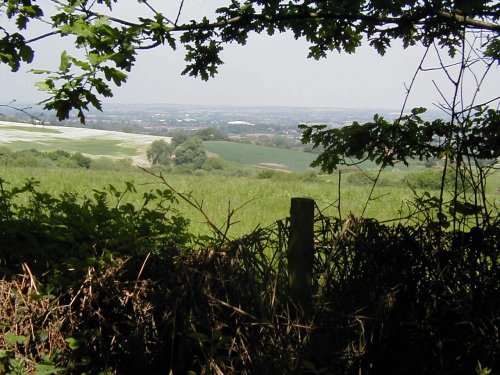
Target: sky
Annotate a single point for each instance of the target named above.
(268, 71)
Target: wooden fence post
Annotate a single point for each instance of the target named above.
(301, 253)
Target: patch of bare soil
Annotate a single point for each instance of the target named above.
(273, 166)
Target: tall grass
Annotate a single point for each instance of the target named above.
(260, 201)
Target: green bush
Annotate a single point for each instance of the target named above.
(191, 152)
(309, 176)
(159, 152)
(160, 168)
(36, 159)
(213, 164)
(30, 158)
(184, 169)
(200, 173)
(266, 173)
(241, 173)
(60, 236)
(58, 154)
(81, 161)
(430, 163)
(430, 179)
(112, 164)
(360, 179)
(211, 134)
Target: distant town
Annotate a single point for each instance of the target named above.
(237, 123)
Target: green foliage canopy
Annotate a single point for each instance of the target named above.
(191, 152)
(109, 44)
(159, 152)
(409, 137)
(211, 134)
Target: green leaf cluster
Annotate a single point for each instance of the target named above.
(22, 11)
(69, 233)
(110, 44)
(407, 138)
(191, 152)
(160, 152)
(14, 50)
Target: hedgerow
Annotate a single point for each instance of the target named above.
(94, 285)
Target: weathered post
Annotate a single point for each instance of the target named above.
(301, 253)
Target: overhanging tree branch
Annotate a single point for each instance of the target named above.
(418, 19)
(111, 43)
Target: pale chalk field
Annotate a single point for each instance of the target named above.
(90, 142)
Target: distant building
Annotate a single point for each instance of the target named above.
(240, 123)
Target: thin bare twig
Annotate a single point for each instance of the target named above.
(179, 12)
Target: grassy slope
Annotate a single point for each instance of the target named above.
(264, 200)
(34, 129)
(244, 153)
(87, 141)
(91, 146)
(118, 144)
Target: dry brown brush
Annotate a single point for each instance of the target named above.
(394, 299)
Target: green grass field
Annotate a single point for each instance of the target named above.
(264, 200)
(274, 158)
(244, 153)
(92, 142)
(33, 129)
(90, 146)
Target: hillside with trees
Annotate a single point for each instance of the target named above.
(96, 284)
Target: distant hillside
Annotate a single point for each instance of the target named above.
(261, 156)
(91, 142)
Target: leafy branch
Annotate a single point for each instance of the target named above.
(326, 25)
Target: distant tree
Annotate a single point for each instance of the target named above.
(430, 163)
(282, 141)
(191, 152)
(179, 138)
(211, 134)
(159, 152)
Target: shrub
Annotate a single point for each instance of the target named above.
(66, 234)
(160, 168)
(213, 164)
(159, 152)
(211, 134)
(200, 172)
(30, 158)
(311, 176)
(387, 299)
(241, 173)
(112, 164)
(81, 161)
(191, 152)
(360, 179)
(266, 173)
(430, 163)
(58, 154)
(430, 179)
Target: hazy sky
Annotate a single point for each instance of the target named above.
(268, 71)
